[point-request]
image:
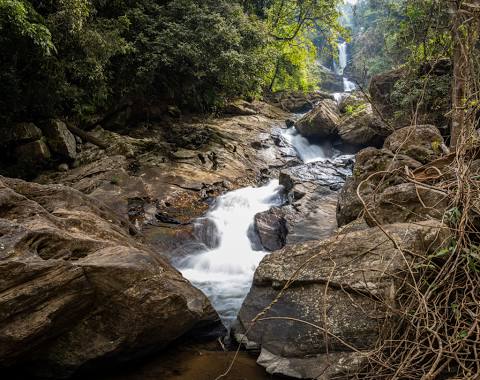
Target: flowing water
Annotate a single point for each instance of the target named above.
(307, 150)
(348, 86)
(224, 272)
(224, 266)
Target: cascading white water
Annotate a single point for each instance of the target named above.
(225, 272)
(306, 150)
(348, 86)
(342, 58)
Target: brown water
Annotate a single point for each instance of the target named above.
(193, 363)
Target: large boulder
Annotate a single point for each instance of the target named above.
(381, 88)
(312, 191)
(408, 202)
(362, 126)
(421, 142)
(375, 170)
(337, 300)
(321, 122)
(21, 133)
(32, 155)
(296, 101)
(78, 288)
(60, 140)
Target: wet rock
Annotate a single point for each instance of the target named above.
(322, 122)
(78, 288)
(328, 173)
(60, 140)
(376, 170)
(363, 127)
(20, 133)
(421, 142)
(312, 194)
(343, 285)
(271, 228)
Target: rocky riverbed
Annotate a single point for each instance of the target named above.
(87, 250)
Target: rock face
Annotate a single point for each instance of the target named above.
(363, 127)
(294, 101)
(271, 227)
(381, 88)
(421, 142)
(330, 307)
(312, 191)
(77, 287)
(321, 122)
(60, 140)
(414, 146)
(20, 133)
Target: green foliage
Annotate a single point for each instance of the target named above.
(388, 33)
(352, 109)
(82, 57)
(293, 27)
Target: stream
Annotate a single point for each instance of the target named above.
(229, 251)
(224, 271)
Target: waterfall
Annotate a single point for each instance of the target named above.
(225, 272)
(348, 86)
(342, 58)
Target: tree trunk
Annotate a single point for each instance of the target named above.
(459, 80)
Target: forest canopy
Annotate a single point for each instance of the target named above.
(81, 57)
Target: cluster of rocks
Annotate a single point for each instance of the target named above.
(84, 272)
(341, 288)
(78, 287)
(298, 102)
(354, 121)
(28, 147)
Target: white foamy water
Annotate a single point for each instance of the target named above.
(225, 273)
(307, 151)
(348, 85)
(342, 58)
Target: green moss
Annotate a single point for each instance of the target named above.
(353, 109)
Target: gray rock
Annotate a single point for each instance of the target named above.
(322, 122)
(408, 202)
(341, 285)
(240, 108)
(271, 227)
(60, 140)
(421, 142)
(363, 127)
(376, 170)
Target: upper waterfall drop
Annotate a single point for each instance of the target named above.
(342, 58)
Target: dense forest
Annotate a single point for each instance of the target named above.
(240, 189)
(80, 57)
